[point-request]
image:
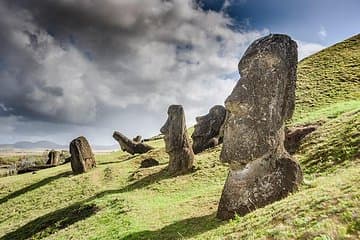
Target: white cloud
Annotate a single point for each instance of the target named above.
(105, 60)
(305, 49)
(322, 33)
(90, 67)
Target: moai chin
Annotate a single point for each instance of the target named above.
(261, 171)
(207, 132)
(82, 157)
(177, 144)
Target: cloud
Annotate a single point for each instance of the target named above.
(322, 33)
(102, 63)
(306, 49)
(82, 67)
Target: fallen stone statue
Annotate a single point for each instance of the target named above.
(131, 146)
(82, 157)
(261, 170)
(294, 136)
(207, 132)
(177, 143)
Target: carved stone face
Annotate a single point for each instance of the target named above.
(209, 125)
(261, 101)
(174, 128)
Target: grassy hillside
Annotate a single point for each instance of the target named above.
(117, 200)
(329, 81)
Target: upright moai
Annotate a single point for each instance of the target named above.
(53, 158)
(131, 146)
(82, 157)
(177, 143)
(261, 170)
(207, 132)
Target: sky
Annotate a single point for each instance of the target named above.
(82, 67)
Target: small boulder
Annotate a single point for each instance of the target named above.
(137, 139)
(149, 162)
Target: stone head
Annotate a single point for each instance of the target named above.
(174, 128)
(268, 79)
(210, 123)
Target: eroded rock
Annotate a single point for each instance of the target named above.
(177, 144)
(53, 158)
(82, 157)
(261, 171)
(131, 146)
(207, 132)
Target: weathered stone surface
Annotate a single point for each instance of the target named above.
(149, 162)
(294, 135)
(82, 157)
(261, 171)
(130, 146)
(177, 144)
(207, 132)
(137, 139)
(261, 182)
(53, 158)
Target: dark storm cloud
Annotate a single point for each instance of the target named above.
(104, 63)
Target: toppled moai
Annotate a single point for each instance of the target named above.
(82, 157)
(131, 146)
(53, 158)
(261, 170)
(294, 136)
(177, 144)
(207, 132)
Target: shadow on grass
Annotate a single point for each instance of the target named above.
(52, 222)
(34, 186)
(179, 230)
(143, 182)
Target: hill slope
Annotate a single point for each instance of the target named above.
(329, 81)
(117, 200)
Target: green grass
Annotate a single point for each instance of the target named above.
(329, 77)
(117, 200)
(335, 142)
(326, 113)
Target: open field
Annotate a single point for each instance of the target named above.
(118, 200)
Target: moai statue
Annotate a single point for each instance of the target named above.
(177, 144)
(207, 133)
(261, 170)
(131, 146)
(53, 158)
(82, 157)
